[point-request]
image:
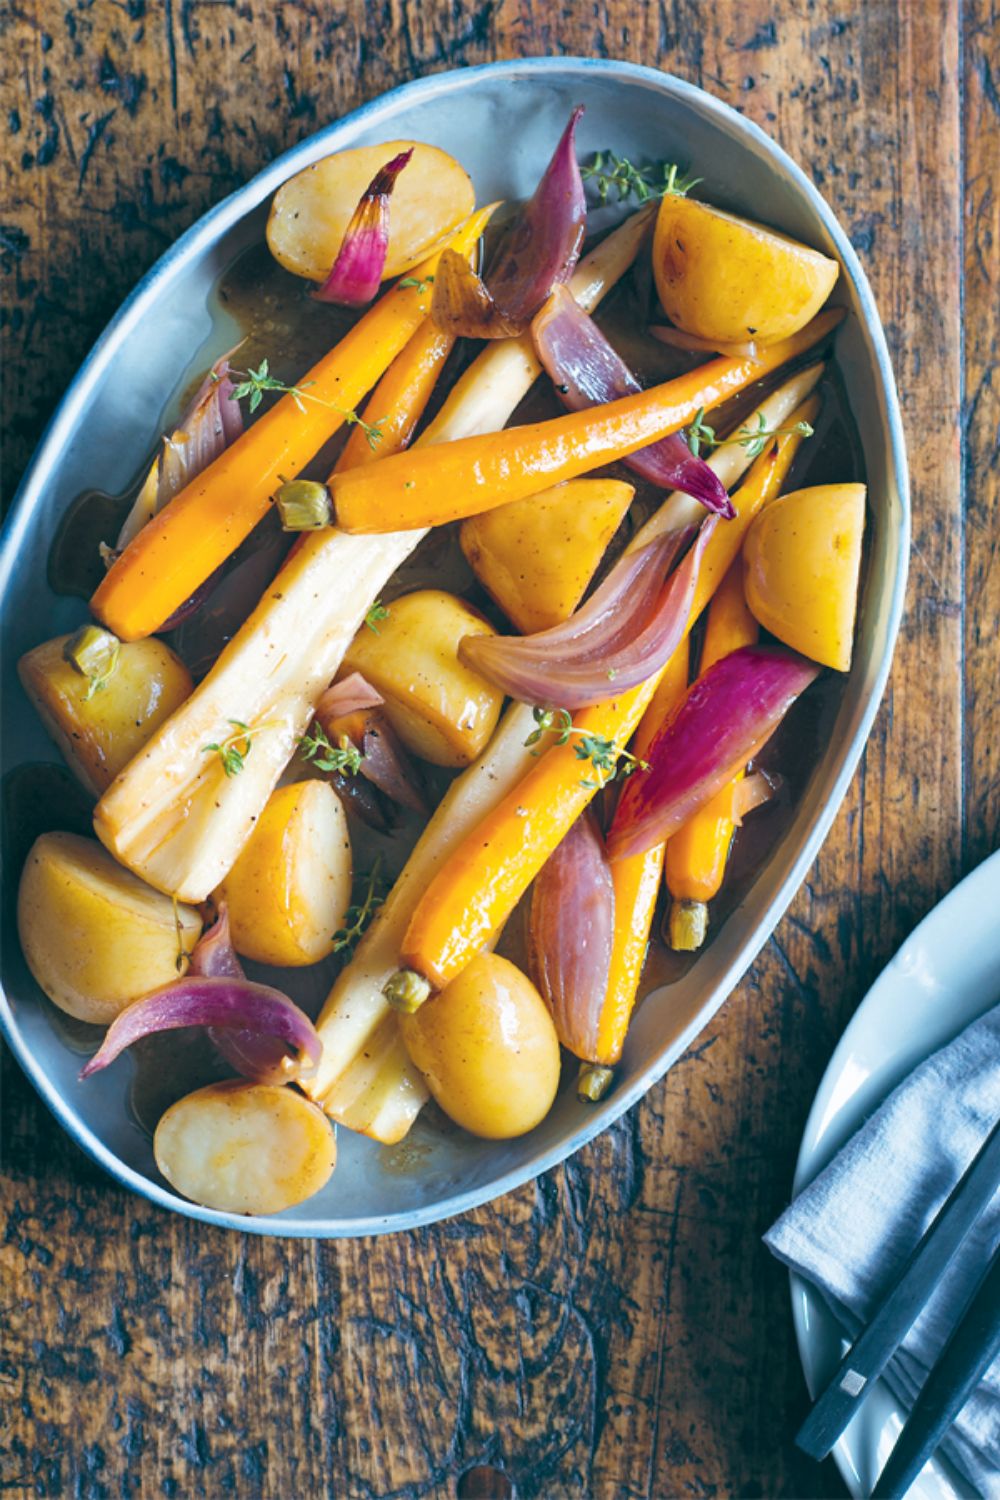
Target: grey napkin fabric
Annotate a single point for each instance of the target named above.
(852, 1229)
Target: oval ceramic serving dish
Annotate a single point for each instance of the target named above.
(130, 387)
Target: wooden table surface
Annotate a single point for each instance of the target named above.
(615, 1328)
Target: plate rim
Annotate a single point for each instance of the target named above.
(801, 1290)
(205, 231)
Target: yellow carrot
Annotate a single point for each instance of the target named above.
(183, 545)
(697, 853)
(453, 480)
(636, 882)
(487, 874)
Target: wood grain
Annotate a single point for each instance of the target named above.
(614, 1329)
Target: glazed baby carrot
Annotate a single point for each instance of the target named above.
(697, 853)
(450, 481)
(183, 545)
(636, 882)
(392, 405)
(490, 870)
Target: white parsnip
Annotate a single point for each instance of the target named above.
(173, 816)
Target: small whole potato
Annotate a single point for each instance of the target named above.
(488, 1049)
(94, 935)
(441, 709)
(730, 280)
(289, 889)
(100, 733)
(245, 1148)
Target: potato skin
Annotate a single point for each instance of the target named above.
(99, 735)
(441, 709)
(536, 557)
(291, 885)
(730, 279)
(802, 566)
(94, 935)
(245, 1148)
(488, 1049)
(310, 212)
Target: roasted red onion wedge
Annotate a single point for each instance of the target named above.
(588, 371)
(252, 1053)
(537, 252)
(610, 650)
(571, 934)
(348, 696)
(350, 711)
(727, 715)
(356, 274)
(225, 1002)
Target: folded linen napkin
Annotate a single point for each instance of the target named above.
(851, 1231)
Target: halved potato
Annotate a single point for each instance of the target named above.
(311, 211)
(95, 937)
(537, 556)
(441, 709)
(730, 280)
(99, 734)
(245, 1148)
(291, 885)
(802, 565)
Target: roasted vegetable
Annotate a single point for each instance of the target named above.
(441, 709)
(311, 211)
(537, 556)
(486, 875)
(101, 721)
(697, 853)
(729, 280)
(354, 1082)
(802, 566)
(245, 1148)
(432, 486)
(174, 817)
(203, 525)
(291, 885)
(94, 936)
(488, 1049)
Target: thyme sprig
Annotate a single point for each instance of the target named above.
(254, 383)
(611, 173)
(754, 439)
(358, 917)
(605, 755)
(344, 756)
(378, 611)
(234, 749)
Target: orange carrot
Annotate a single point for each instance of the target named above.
(463, 478)
(183, 545)
(475, 892)
(636, 882)
(698, 852)
(392, 407)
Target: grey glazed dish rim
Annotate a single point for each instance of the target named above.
(205, 232)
